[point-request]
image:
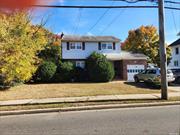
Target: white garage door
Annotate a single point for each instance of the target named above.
(132, 70)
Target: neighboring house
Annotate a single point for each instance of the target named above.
(175, 61)
(78, 48)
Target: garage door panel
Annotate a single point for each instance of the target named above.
(132, 70)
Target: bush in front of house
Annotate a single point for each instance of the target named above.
(99, 68)
(45, 72)
(80, 75)
(65, 72)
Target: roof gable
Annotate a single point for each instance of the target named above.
(177, 42)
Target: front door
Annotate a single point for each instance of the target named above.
(117, 69)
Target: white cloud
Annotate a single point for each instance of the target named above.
(61, 1)
(90, 34)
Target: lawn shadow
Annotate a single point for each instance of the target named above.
(143, 85)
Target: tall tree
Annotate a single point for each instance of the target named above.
(145, 40)
(19, 43)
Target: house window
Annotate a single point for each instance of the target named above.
(103, 46)
(72, 46)
(176, 64)
(75, 45)
(176, 50)
(80, 64)
(109, 46)
(79, 45)
(106, 46)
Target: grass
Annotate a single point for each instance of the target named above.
(39, 91)
(64, 105)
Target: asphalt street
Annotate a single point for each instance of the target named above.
(163, 120)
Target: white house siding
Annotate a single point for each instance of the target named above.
(175, 57)
(90, 47)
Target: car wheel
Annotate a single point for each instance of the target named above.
(178, 80)
(136, 80)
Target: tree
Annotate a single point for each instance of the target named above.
(52, 51)
(19, 43)
(145, 40)
(99, 68)
(46, 71)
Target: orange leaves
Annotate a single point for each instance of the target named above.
(16, 4)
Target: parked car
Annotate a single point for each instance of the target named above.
(153, 76)
(176, 72)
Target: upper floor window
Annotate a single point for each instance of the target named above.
(72, 46)
(107, 46)
(79, 45)
(75, 45)
(176, 50)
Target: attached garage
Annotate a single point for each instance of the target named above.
(127, 64)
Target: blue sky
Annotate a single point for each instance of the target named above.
(115, 22)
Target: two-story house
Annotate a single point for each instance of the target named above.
(78, 48)
(175, 61)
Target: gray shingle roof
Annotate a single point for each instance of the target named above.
(90, 38)
(123, 55)
(177, 42)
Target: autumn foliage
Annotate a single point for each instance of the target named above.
(145, 39)
(17, 4)
(19, 43)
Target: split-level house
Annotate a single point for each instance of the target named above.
(78, 48)
(175, 54)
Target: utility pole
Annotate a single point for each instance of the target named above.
(163, 57)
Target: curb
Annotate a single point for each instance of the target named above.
(101, 98)
(81, 108)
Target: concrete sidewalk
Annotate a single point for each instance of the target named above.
(85, 99)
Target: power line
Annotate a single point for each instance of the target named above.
(172, 12)
(136, 1)
(116, 7)
(100, 18)
(78, 21)
(113, 20)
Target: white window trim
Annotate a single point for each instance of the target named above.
(77, 45)
(72, 45)
(80, 64)
(107, 45)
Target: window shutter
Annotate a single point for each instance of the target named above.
(83, 45)
(99, 46)
(67, 45)
(114, 46)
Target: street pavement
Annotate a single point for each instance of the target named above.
(163, 120)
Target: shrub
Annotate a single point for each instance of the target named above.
(80, 74)
(65, 72)
(46, 72)
(99, 69)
